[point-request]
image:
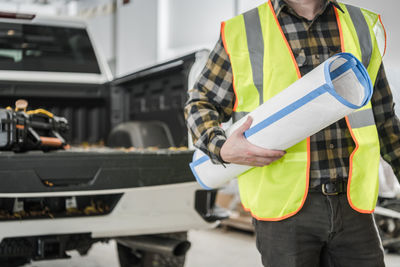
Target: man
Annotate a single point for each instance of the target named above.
(259, 54)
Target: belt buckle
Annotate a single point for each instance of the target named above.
(326, 193)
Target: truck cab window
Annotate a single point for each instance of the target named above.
(46, 48)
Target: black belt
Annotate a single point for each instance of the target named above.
(331, 188)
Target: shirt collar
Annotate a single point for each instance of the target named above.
(281, 4)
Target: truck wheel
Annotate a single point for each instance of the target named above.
(129, 258)
(389, 228)
(136, 258)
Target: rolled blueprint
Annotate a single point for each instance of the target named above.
(331, 91)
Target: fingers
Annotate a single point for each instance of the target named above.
(259, 161)
(259, 157)
(237, 149)
(266, 153)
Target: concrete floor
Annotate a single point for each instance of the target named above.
(211, 248)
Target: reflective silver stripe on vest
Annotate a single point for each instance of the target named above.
(255, 43)
(362, 29)
(361, 118)
(236, 116)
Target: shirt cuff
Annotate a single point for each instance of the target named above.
(214, 148)
(211, 144)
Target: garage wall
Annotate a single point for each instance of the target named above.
(137, 36)
(136, 44)
(188, 25)
(245, 5)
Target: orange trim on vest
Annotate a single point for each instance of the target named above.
(340, 29)
(351, 171)
(284, 38)
(384, 30)
(223, 24)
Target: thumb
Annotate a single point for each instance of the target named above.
(245, 126)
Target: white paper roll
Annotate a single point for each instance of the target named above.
(325, 95)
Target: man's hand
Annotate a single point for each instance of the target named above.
(238, 150)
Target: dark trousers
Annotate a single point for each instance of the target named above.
(326, 232)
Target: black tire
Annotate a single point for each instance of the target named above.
(136, 258)
(389, 228)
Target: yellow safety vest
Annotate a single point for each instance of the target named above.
(263, 65)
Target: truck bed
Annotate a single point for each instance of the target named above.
(91, 180)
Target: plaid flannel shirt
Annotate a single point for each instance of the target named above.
(212, 99)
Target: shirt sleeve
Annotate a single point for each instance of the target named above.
(210, 103)
(387, 123)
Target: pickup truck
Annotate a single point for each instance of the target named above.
(126, 175)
